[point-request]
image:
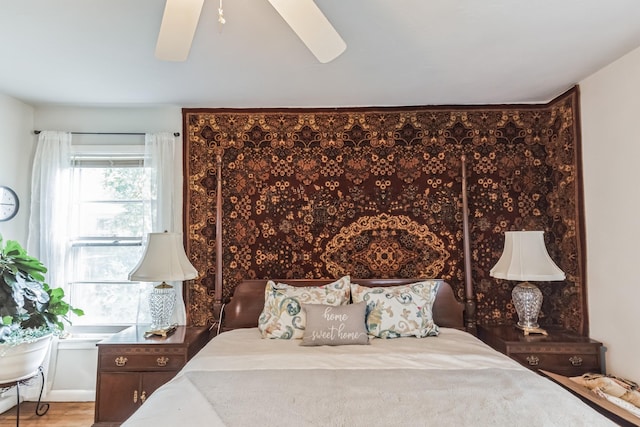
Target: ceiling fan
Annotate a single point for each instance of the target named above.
(181, 17)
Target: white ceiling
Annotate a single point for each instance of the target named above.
(399, 52)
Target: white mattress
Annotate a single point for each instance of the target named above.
(239, 379)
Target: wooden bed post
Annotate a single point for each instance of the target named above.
(469, 294)
(217, 295)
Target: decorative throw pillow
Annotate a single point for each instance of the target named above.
(282, 316)
(335, 325)
(399, 311)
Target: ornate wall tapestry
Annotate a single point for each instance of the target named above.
(376, 192)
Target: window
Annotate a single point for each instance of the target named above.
(110, 215)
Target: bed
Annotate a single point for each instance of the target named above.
(447, 377)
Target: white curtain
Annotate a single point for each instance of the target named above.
(50, 207)
(161, 160)
(50, 203)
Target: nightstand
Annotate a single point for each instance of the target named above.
(131, 367)
(562, 352)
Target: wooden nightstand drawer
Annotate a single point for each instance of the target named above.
(561, 351)
(143, 360)
(566, 363)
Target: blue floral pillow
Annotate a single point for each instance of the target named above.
(399, 311)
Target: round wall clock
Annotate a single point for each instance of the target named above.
(9, 203)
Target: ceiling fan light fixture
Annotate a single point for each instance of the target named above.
(312, 27)
(178, 27)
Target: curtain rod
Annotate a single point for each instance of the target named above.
(37, 132)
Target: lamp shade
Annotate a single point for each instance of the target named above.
(525, 258)
(164, 259)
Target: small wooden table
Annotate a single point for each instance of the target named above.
(561, 351)
(131, 367)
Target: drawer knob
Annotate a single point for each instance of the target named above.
(121, 361)
(533, 360)
(135, 396)
(162, 361)
(576, 360)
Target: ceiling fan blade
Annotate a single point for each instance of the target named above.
(178, 27)
(314, 29)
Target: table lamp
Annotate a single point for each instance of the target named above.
(525, 258)
(163, 260)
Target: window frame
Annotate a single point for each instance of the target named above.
(100, 156)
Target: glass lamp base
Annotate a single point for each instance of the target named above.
(161, 303)
(527, 299)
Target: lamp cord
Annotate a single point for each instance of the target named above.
(138, 305)
(219, 325)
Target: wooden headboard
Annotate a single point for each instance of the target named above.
(248, 301)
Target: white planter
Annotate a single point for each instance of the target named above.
(18, 362)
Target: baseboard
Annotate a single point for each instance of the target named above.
(7, 401)
(70, 396)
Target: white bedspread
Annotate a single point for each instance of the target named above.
(239, 379)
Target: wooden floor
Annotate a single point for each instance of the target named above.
(60, 414)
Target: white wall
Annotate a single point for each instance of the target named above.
(109, 119)
(610, 103)
(17, 145)
(16, 148)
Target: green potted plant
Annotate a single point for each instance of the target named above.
(31, 311)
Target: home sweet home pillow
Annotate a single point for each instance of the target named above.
(335, 325)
